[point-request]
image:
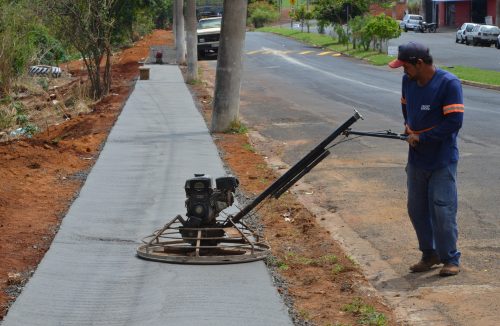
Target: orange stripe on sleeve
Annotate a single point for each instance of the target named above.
(447, 109)
(452, 105)
(453, 111)
(416, 132)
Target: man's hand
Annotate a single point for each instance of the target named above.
(413, 140)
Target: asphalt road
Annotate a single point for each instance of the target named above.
(448, 53)
(444, 49)
(294, 97)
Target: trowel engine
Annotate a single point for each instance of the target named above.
(207, 240)
(204, 203)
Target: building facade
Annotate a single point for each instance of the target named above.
(455, 13)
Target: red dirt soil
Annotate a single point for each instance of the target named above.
(40, 177)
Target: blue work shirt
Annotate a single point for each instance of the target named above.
(434, 112)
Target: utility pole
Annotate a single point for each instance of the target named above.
(191, 41)
(180, 42)
(229, 65)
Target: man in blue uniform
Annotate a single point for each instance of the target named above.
(433, 110)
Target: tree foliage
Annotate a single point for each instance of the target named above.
(366, 30)
(17, 46)
(261, 13)
(44, 31)
(88, 26)
(382, 28)
(341, 11)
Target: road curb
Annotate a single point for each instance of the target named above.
(480, 85)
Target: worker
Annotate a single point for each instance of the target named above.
(433, 109)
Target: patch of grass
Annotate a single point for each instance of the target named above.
(56, 140)
(337, 269)
(261, 166)
(283, 266)
(275, 262)
(249, 148)
(237, 127)
(195, 82)
(326, 260)
(6, 119)
(366, 314)
(475, 75)
(304, 314)
(351, 259)
(329, 259)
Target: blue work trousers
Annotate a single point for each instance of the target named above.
(432, 207)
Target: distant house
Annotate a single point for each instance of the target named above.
(452, 13)
(455, 13)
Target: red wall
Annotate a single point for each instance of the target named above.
(442, 14)
(462, 13)
(491, 10)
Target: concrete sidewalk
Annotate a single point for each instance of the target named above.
(91, 276)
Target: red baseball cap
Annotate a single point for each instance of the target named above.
(410, 52)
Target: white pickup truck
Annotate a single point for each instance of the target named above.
(208, 36)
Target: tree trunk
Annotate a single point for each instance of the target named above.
(191, 41)
(229, 65)
(174, 21)
(180, 41)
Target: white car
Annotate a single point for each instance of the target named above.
(463, 30)
(410, 21)
(208, 31)
(483, 34)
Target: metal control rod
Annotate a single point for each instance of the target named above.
(385, 134)
(297, 171)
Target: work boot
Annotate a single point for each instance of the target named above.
(425, 264)
(449, 270)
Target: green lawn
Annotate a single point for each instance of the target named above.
(325, 41)
(488, 77)
(475, 74)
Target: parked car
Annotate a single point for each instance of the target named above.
(410, 22)
(463, 30)
(208, 32)
(483, 34)
(497, 44)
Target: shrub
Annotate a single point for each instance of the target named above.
(261, 13)
(359, 34)
(15, 47)
(382, 28)
(342, 34)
